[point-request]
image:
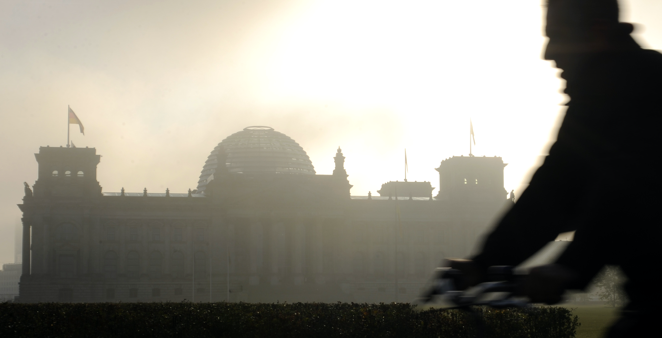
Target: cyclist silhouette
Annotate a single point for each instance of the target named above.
(605, 154)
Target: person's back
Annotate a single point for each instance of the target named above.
(600, 176)
(610, 134)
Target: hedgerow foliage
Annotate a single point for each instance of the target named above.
(275, 320)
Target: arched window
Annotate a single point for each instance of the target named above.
(155, 264)
(177, 264)
(134, 233)
(67, 232)
(178, 234)
(241, 263)
(359, 265)
(81, 174)
(67, 173)
(156, 234)
(421, 264)
(111, 232)
(110, 264)
(55, 173)
(199, 234)
(380, 264)
(133, 264)
(200, 263)
(401, 268)
(67, 266)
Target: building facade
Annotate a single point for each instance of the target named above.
(261, 226)
(9, 279)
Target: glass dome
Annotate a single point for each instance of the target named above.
(258, 150)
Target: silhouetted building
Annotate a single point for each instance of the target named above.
(406, 189)
(9, 278)
(261, 224)
(471, 179)
(17, 243)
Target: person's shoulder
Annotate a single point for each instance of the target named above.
(647, 58)
(645, 63)
(650, 54)
(644, 72)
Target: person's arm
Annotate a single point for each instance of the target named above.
(544, 210)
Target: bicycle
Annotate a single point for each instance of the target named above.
(503, 283)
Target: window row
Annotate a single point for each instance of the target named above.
(420, 265)
(152, 265)
(70, 232)
(68, 173)
(153, 233)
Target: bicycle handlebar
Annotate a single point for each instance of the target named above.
(501, 279)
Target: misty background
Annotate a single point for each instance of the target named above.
(158, 84)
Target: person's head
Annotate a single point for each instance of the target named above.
(579, 27)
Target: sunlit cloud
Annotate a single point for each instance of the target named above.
(159, 83)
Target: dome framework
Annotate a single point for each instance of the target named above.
(258, 150)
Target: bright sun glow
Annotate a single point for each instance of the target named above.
(435, 64)
(158, 84)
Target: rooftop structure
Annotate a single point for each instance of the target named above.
(257, 150)
(406, 189)
(265, 228)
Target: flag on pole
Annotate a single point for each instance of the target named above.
(471, 130)
(73, 119)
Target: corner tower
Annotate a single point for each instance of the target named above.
(67, 172)
(471, 179)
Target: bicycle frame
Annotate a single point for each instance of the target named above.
(507, 284)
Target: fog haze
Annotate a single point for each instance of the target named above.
(159, 84)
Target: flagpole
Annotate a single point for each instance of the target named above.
(68, 125)
(470, 138)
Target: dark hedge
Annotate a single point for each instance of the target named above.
(274, 320)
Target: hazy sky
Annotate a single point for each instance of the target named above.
(158, 84)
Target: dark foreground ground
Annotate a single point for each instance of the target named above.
(277, 320)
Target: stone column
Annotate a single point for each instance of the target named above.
(218, 239)
(231, 248)
(255, 250)
(26, 247)
(276, 228)
(265, 269)
(47, 232)
(167, 252)
(36, 249)
(298, 245)
(91, 234)
(347, 236)
(298, 250)
(318, 249)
